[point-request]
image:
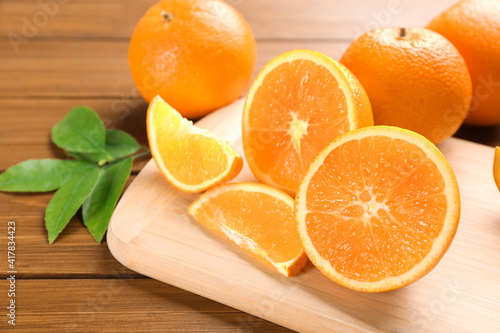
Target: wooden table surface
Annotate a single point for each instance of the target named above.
(58, 54)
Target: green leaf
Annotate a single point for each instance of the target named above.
(99, 206)
(80, 131)
(39, 175)
(118, 144)
(99, 158)
(68, 198)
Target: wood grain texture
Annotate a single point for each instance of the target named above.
(98, 68)
(277, 19)
(150, 232)
(74, 254)
(29, 204)
(122, 306)
(26, 124)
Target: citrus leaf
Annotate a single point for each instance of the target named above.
(99, 206)
(100, 158)
(39, 175)
(118, 144)
(80, 131)
(69, 198)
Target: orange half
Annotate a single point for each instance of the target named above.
(378, 208)
(298, 104)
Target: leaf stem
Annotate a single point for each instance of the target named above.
(145, 153)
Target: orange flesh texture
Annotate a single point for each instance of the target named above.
(256, 221)
(311, 105)
(374, 207)
(174, 139)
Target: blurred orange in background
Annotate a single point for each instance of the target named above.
(473, 26)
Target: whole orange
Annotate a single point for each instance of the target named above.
(198, 55)
(473, 26)
(415, 79)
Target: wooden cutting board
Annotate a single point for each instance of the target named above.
(151, 233)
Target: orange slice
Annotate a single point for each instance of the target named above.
(190, 158)
(496, 167)
(258, 218)
(378, 208)
(298, 104)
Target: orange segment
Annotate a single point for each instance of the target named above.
(256, 217)
(496, 167)
(190, 158)
(378, 208)
(297, 104)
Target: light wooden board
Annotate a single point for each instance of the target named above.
(151, 233)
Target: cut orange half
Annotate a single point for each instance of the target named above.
(258, 218)
(190, 158)
(378, 208)
(298, 104)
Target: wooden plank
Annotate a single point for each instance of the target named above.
(98, 68)
(30, 204)
(29, 121)
(16, 153)
(74, 254)
(335, 20)
(283, 19)
(26, 124)
(122, 306)
(76, 18)
(93, 68)
(150, 232)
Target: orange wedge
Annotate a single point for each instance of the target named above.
(496, 167)
(378, 208)
(190, 158)
(298, 104)
(258, 218)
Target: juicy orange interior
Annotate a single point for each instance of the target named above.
(197, 157)
(298, 109)
(256, 221)
(380, 203)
